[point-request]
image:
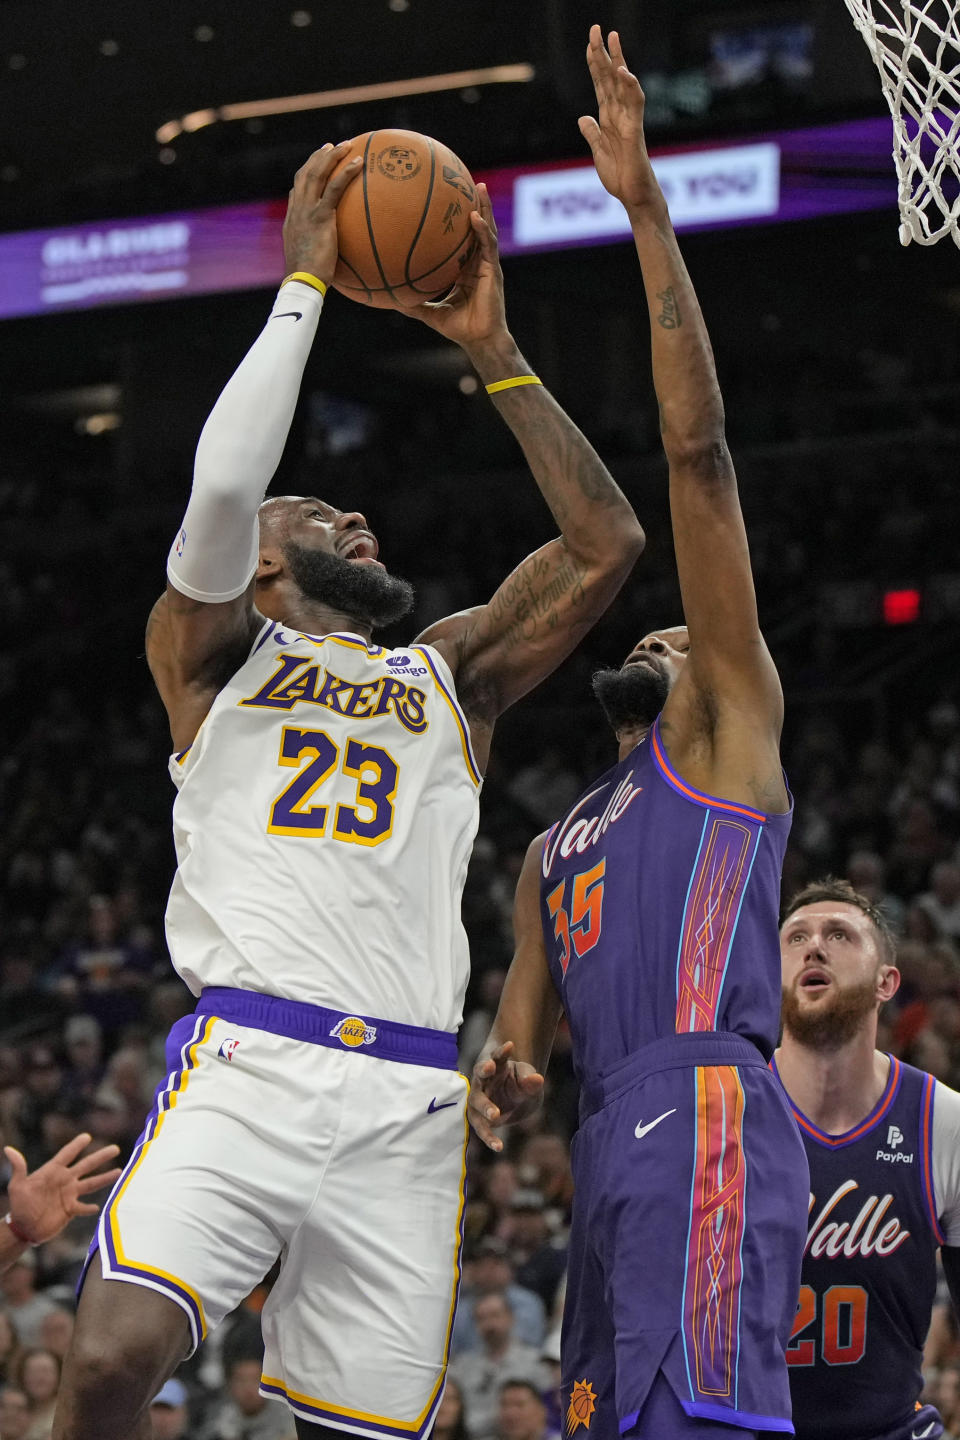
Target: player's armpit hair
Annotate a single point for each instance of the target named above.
(831, 887)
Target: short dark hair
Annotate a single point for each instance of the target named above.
(831, 888)
(518, 1384)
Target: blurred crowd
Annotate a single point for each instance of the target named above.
(86, 990)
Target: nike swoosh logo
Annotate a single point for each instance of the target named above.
(919, 1434)
(433, 1107)
(642, 1129)
(285, 315)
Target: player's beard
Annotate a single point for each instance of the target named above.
(631, 697)
(832, 1022)
(364, 592)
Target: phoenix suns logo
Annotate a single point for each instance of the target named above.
(583, 1402)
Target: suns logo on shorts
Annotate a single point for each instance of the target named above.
(352, 1031)
(583, 1402)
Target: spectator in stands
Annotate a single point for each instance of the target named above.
(929, 1051)
(868, 875)
(545, 1166)
(38, 1376)
(499, 1357)
(948, 1397)
(918, 843)
(539, 1263)
(26, 1307)
(9, 1350)
(546, 788)
(521, 1414)
(83, 1044)
(499, 1185)
(928, 973)
(42, 1091)
(14, 1414)
(942, 901)
(124, 1088)
(26, 1007)
(246, 1414)
(105, 974)
(553, 1397)
(56, 1332)
(449, 1424)
(487, 1270)
(168, 1412)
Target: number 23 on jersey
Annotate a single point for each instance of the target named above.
(317, 758)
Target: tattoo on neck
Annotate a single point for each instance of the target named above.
(669, 316)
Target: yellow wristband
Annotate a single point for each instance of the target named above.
(515, 380)
(306, 279)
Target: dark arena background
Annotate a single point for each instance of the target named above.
(145, 157)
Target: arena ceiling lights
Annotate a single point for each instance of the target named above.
(349, 95)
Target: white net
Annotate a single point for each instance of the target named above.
(915, 44)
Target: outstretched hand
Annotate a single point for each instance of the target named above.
(43, 1202)
(473, 313)
(502, 1091)
(616, 138)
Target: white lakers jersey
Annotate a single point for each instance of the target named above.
(325, 817)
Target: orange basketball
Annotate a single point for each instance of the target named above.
(404, 224)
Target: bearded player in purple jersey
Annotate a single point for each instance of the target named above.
(649, 913)
(883, 1142)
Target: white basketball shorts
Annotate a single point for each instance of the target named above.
(335, 1142)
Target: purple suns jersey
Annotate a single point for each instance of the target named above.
(660, 909)
(869, 1271)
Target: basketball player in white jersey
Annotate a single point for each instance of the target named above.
(326, 810)
(883, 1142)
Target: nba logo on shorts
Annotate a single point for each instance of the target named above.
(181, 542)
(352, 1031)
(894, 1137)
(228, 1049)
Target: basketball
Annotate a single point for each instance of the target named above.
(404, 224)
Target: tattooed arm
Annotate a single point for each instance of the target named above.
(724, 715)
(542, 610)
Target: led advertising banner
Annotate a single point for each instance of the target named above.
(787, 175)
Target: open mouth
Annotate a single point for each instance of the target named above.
(814, 981)
(361, 550)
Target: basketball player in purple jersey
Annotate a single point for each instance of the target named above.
(327, 804)
(649, 913)
(883, 1142)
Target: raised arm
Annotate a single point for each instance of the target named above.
(508, 1076)
(501, 650)
(729, 663)
(202, 627)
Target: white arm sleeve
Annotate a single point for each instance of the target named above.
(945, 1161)
(214, 557)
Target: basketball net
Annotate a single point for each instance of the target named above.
(915, 44)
